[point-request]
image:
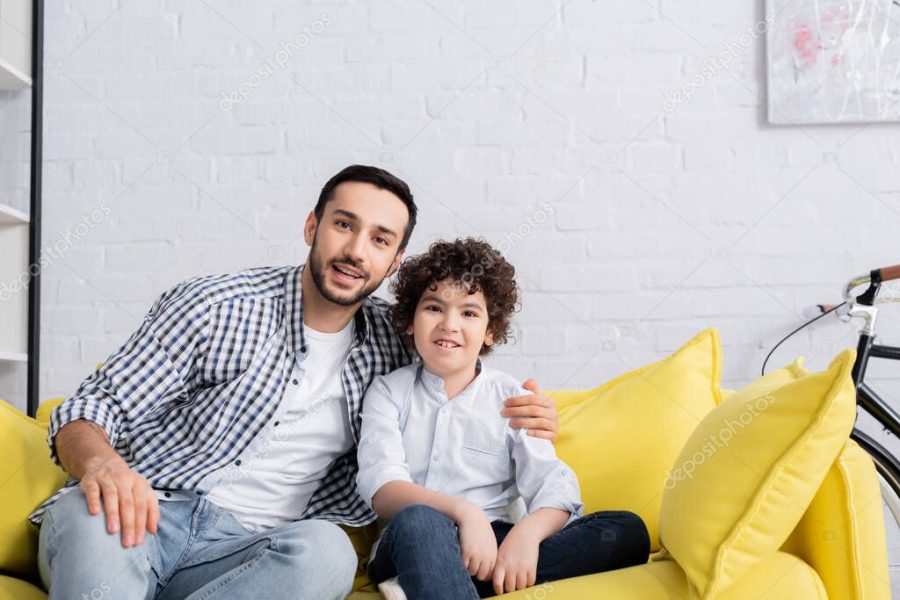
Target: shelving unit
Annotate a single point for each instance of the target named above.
(14, 280)
(21, 66)
(16, 26)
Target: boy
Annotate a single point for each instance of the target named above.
(437, 459)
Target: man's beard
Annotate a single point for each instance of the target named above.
(317, 268)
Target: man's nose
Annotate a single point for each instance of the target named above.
(355, 248)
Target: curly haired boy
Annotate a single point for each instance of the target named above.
(438, 460)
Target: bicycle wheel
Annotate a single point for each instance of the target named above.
(888, 469)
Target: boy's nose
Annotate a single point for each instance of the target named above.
(449, 324)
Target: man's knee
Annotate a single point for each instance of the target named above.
(320, 547)
(75, 549)
(68, 524)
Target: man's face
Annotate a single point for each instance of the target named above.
(355, 245)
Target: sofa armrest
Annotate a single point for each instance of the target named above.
(841, 535)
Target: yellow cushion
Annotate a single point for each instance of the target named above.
(27, 478)
(622, 437)
(16, 589)
(44, 410)
(362, 539)
(748, 472)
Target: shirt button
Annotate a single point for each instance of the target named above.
(199, 493)
(238, 462)
(295, 382)
(436, 458)
(168, 495)
(276, 423)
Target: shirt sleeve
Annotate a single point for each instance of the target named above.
(544, 481)
(380, 454)
(161, 362)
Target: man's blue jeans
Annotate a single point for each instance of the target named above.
(420, 546)
(200, 551)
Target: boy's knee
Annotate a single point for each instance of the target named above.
(419, 519)
(631, 533)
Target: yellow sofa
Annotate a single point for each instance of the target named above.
(836, 550)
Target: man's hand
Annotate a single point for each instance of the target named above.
(534, 412)
(127, 499)
(516, 566)
(477, 542)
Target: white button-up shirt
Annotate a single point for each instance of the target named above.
(462, 447)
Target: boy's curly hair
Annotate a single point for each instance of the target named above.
(470, 262)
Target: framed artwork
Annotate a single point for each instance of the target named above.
(833, 61)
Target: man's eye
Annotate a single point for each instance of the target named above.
(381, 240)
(343, 224)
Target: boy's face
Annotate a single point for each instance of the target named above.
(356, 244)
(450, 327)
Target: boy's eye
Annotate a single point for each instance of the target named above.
(433, 308)
(470, 313)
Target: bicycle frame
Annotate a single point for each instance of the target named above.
(867, 398)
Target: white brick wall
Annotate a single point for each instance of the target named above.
(664, 217)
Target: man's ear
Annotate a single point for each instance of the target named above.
(396, 264)
(309, 228)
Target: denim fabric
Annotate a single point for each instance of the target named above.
(420, 546)
(200, 551)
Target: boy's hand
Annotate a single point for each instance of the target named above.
(534, 412)
(477, 542)
(516, 566)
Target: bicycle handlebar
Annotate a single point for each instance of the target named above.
(889, 273)
(874, 278)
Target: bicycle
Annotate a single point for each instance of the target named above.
(864, 306)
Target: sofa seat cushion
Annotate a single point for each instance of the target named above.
(780, 577)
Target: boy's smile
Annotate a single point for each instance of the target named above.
(450, 328)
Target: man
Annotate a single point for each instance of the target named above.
(225, 427)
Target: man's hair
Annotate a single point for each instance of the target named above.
(472, 263)
(379, 178)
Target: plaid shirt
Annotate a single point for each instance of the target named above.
(204, 373)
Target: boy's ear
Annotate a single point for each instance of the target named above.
(409, 330)
(488, 338)
(309, 228)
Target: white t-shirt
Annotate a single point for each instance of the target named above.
(278, 475)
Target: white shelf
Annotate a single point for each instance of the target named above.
(14, 236)
(11, 216)
(16, 21)
(12, 78)
(14, 356)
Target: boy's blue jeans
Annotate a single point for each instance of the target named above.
(420, 546)
(200, 551)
